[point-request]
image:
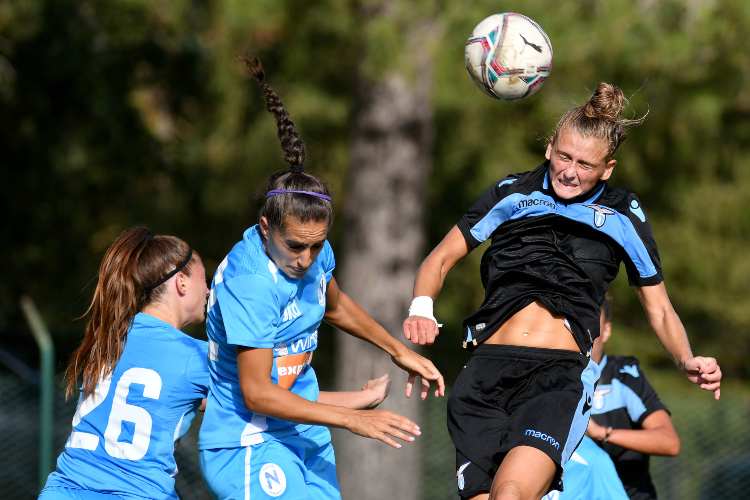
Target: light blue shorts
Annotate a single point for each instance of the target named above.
(296, 468)
(62, 493)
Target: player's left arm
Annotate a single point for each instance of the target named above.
(345, 314)
(657, 435)
(703, 371)
(371, 395)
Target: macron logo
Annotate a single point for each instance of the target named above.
(544, 437)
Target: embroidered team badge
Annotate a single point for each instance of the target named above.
(599, 394)
(600, 214)
(272, 479)
(322, 290)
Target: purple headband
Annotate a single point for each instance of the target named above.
(276, 192)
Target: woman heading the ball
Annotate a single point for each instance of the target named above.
(264, 433)
(558, 233)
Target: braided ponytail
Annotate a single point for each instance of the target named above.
(291, 192)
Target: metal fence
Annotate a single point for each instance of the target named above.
(714, 462)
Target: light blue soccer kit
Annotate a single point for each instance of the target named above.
(246, 455)
(589, 475)
(122, 442)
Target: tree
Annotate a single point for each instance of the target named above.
(383, 237)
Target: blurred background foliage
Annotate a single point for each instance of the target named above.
(137, 112)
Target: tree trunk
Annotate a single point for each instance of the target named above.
(382, 247)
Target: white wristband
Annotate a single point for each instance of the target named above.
(422, 306)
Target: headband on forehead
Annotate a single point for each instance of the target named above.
(276, 192)
(174, 271)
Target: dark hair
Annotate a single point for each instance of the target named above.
(607, 307)
(130, 277)
(303, 207)
(600, 117)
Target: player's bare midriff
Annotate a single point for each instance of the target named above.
(535, 326)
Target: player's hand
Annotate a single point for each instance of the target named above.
(384, 426)
(421, 330)
(596, 431)
(705, 372)
(377, 390)
(419, 366)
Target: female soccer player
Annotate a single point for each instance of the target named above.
(264, 433)
(142, 378)
(627, 417)
(558, 234)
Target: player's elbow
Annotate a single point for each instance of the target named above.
(254, 397)
(673, 446)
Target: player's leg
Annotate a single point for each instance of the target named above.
(548, 421)
(525, 474)
(262, 471)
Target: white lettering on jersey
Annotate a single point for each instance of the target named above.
(306, 343)
(291, 311)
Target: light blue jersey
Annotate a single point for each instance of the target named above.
(123, 435)
(589, 475)
(253, 304)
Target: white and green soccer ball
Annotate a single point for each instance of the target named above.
(508, 56)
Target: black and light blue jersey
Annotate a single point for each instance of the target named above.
(622, 400)
(122, 441)
(562, 253)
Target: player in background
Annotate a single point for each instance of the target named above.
(589, 475)
(265, 430)
(141, 377)
(628, 419)
(558, 233)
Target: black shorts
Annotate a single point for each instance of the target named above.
(509, 396)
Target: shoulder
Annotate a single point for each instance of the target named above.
(528, 180)
(625, 368)
(623, 200)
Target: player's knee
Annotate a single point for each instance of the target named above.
(511, 489)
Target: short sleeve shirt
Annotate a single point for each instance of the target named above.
(122, 440)
(622, 400)
(562, 253)
(254, 304)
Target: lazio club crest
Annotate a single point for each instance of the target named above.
(600, 214)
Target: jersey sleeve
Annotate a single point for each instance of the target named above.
(641, 255)
(487, 213)
(644, 400)
(196, 370)
(328, 260)
(250, 310)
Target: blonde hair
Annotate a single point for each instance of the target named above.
(600, 117)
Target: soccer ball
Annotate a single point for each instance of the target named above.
(508, 56)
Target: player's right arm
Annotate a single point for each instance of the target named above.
(657, 435)
(431, 275)
(261, 395)
(475, 226)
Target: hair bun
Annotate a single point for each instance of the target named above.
(607, 102)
